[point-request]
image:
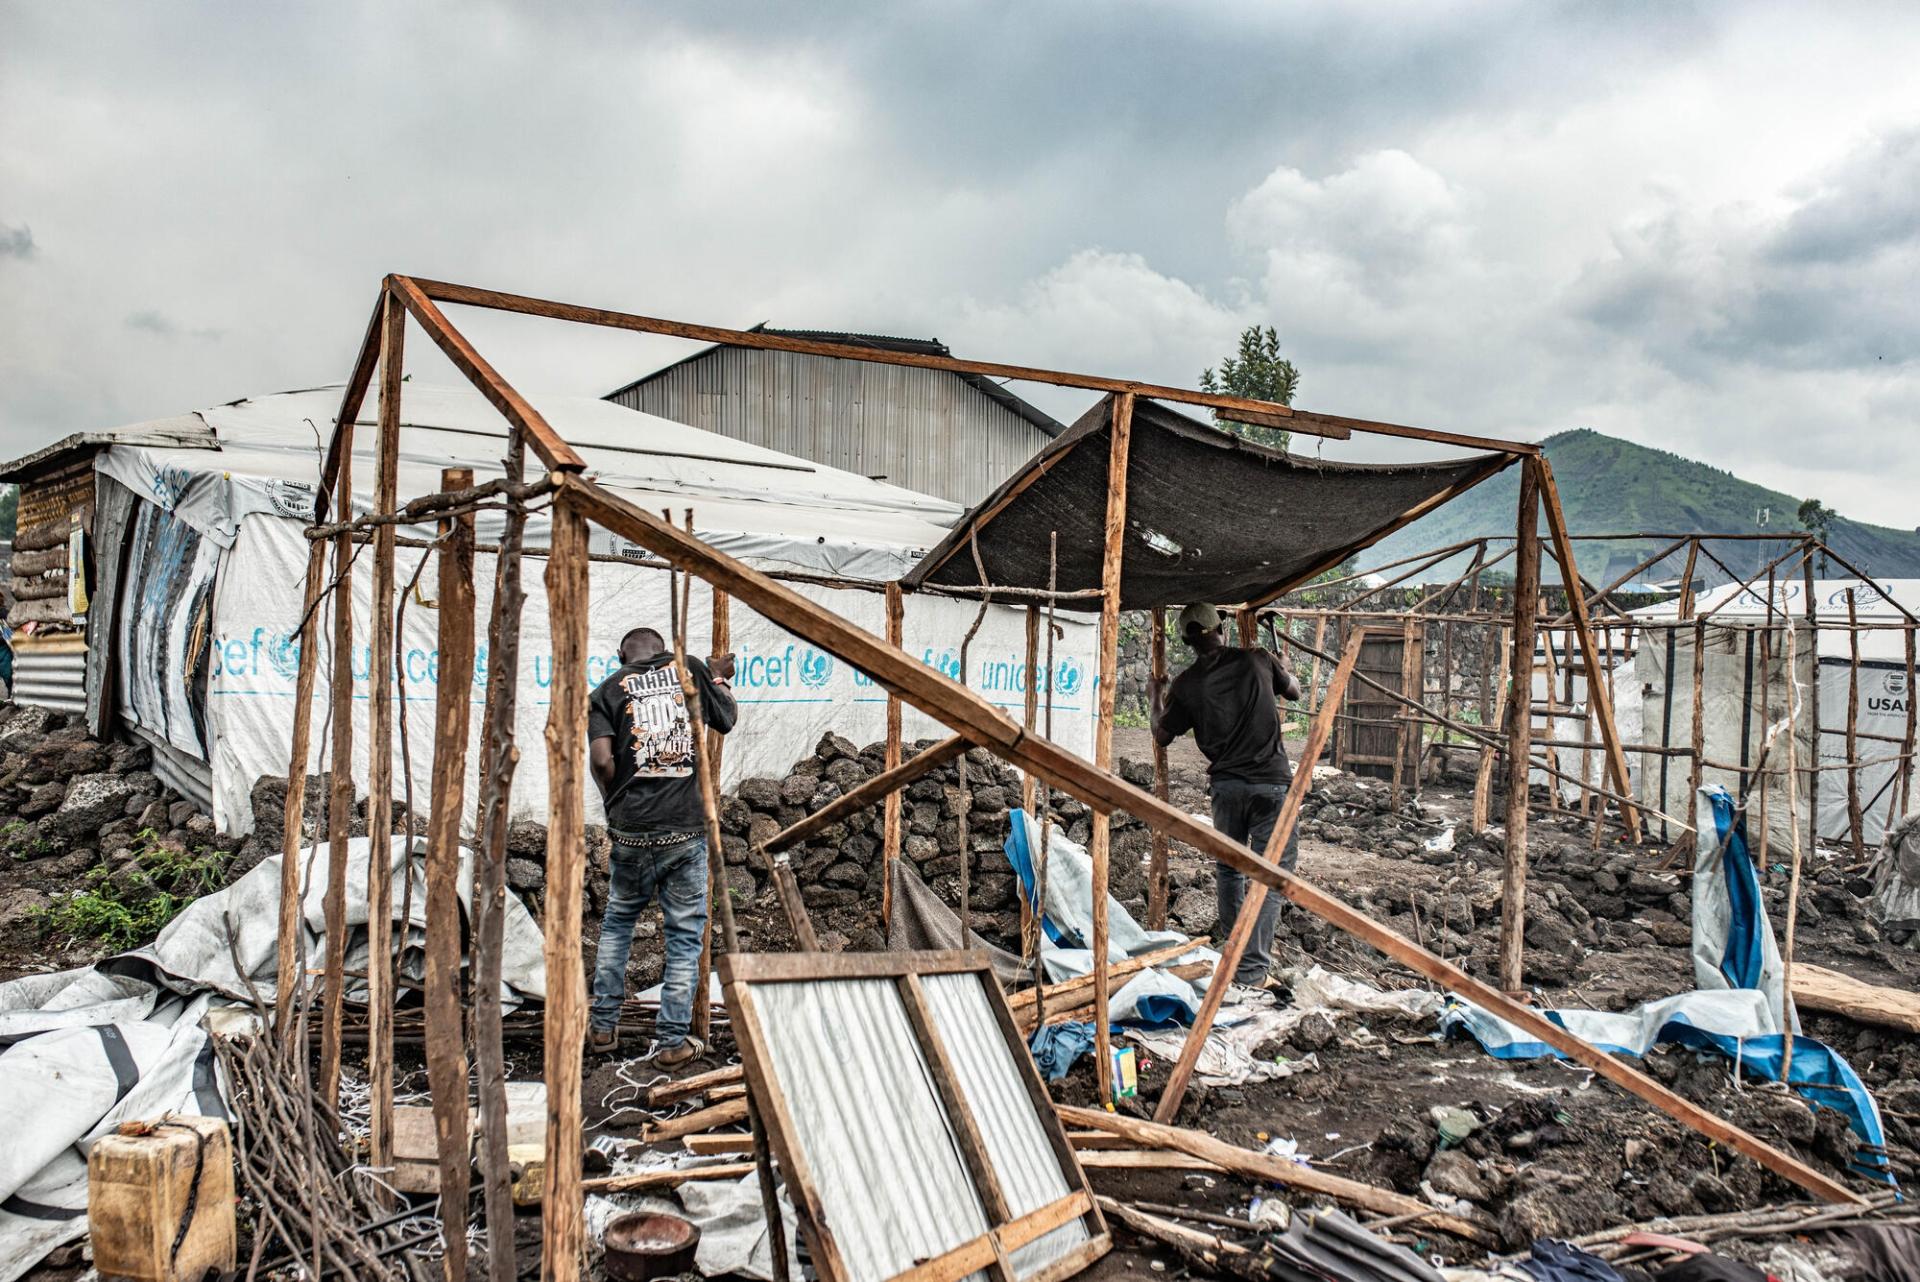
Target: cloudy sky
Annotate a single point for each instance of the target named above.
(1695, 226)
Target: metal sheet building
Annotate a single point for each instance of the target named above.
(953, 436)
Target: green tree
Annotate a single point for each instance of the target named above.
(1258, 372)
(1817, 518)
(9, 506)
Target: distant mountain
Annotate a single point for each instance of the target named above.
(1610, 486)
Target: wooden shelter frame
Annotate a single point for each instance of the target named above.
(575, 501)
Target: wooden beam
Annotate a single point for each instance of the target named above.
(1817, 988)
(1483, 769)
(339, 788)
(380, 961)
(1599, 694)
(1333, 426)
(890, 815)
(885, 784)
(1027, 1003)
(1855, 820)
(446, 1042)
(1030, 709)
(351, 399)
(289, 979)
(1526, 614)
(1265, 1166)
(941, 697)
(1157, 876)
(725, 1113)
(1256, 896)
(1099, 847)
(563, 1221)
(553, 451)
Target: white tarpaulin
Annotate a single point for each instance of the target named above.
(1733, 681)
(83, 1050)
(252, 496)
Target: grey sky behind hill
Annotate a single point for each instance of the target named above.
(1696, 226)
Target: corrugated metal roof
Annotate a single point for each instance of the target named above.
(182, 431)
(51, 671)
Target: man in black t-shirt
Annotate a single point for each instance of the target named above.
(1227, 699)
(641, 744)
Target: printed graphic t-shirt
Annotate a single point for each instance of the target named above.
(641, 708)
(1227, 700)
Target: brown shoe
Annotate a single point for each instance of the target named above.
(603, 1041)
(681, 1052)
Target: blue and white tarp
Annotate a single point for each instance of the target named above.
(1736, 1010)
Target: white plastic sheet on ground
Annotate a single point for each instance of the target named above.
(83, 1050)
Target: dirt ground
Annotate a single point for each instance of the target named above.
(1556, 1151)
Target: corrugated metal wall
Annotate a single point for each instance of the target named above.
(927, 430)
(51, 671)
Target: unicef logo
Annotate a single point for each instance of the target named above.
(816, 668)
(283, 652)
(946, 663)
(1067, 675)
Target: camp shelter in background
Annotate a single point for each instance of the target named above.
(199, 547)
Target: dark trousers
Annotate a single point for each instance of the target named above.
(1247, 812)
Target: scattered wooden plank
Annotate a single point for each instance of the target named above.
(651, 1181)
(1263, 1166)
(699, 1084)
(1817, 988)
(1067, 989)
(724, 1113)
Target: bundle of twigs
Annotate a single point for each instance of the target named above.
(1763, 1221)
(315, 1209)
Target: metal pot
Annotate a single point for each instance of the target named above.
(642, 1247)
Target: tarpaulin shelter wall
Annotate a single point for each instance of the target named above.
(210, 544)
(579, 503)
(1864, 678)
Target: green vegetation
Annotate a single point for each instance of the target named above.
(1259, 373)
(1608, 485)
(9, 509)
(127, 908)
(21, 840)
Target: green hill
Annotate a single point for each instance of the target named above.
(1608, 485)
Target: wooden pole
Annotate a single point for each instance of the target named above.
(1813, 702)
(446, 1045)
(1402, 741)
(340, 787)
(1483, 774)
(1793, 827)
(501, 757)
(289, 981)
(1115, 541)
(1313, 672)
(1597, 693)
(1256, 896)
(1699, 714)
(563, 1223)
(1686, 578)
(890, 815)
(1855, 821)
(965, 710)
(380, 986)
(704, 745)
(1030, 711)
(1157, 888)
(1526, 604)
(1907, 742)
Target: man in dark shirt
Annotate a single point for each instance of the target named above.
(641, 743)
(1227, 699)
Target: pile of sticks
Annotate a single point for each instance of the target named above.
(314, 1207)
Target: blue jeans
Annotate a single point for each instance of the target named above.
(677, 875)
(1247, 812)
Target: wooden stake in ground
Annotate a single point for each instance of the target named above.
(1699, 714)
(1256, 894)
(1098, 845)
(890, 815)
(720, 640)
(380, 963)
(1793, 826)
(1855, 821)
(1157, 860)
(563, 1223)
(1526, 598)
(288, 980)
(1496, 700)
(446, 1044)
(340, 788)
(489, 895)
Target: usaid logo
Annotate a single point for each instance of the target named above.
(816, 668)
(1067, 676)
